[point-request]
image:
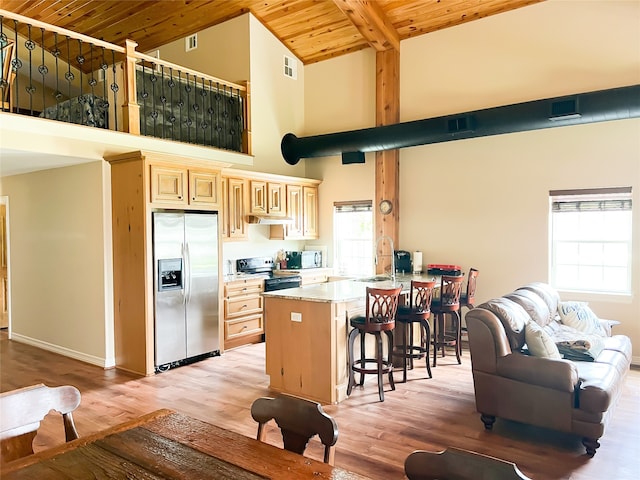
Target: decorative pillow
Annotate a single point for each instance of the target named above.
(578, 315)
(539, 343)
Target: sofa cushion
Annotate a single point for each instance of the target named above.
(599, 384)
(513, 318)
(548, 294)
(579, 316)
(539, 343)
(535, 306)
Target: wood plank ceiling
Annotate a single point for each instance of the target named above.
(314, 30)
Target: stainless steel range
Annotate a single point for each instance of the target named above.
(265, 266)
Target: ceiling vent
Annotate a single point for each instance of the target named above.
(464, 123)
(564, 109)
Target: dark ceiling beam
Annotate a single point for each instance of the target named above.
(371, 22)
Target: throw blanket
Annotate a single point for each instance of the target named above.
(87, 109)
(574, 344)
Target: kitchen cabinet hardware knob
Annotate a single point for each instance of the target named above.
(244, 306)
(244, 327)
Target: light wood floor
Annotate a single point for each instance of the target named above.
(374, 438)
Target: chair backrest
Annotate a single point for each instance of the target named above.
(22, 410)
(299, 420)
(458, 464)
(381, 308)
(421, 295)
(471, 285)
(450, 290)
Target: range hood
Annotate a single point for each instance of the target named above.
(268, 220)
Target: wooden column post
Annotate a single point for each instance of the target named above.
(387, 161)
(130, 108)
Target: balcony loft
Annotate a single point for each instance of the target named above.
(98, 98)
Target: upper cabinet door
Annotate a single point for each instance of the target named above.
(310, 212)
(169, 185)
(258, 197)
(294, 211)
(237, 205)
(205, 189)
(276, 201)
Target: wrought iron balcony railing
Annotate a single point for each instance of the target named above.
(54, 73)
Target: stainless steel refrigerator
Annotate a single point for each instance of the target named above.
(185, 257)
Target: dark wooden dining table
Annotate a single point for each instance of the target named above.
(169, 445)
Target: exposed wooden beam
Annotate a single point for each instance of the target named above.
(371, 22)
(387, 161)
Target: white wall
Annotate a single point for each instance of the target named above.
(60, 260)
(340, 95)
(223, 51)
(277, 102)
(484, 202)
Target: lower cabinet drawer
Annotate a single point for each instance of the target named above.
(242, 305)
(243, 326)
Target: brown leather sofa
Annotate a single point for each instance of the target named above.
(565, 395)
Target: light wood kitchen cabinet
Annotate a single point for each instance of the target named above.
(185, 187)
(314, 275)
(310, 212)
(142, 183)
(294, 211)
(235, 209)
(266, 198)
(302, 207)
(243, 312)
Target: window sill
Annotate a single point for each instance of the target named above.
(582, 296)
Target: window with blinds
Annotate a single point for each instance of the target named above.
(353, 238)
(591, 240)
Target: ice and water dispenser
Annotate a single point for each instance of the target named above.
(169, 274)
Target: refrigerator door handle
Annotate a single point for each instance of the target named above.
(188, 265)
(185, 287)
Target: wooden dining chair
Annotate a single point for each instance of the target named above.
(457, 464)
(22, 410)
(299, 420)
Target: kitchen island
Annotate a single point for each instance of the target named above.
(306, 331)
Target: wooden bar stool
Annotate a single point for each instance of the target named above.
(380, 316)
(418, 311)
(467, 298)
(447, 304)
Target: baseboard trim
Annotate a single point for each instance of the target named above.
(67, 352)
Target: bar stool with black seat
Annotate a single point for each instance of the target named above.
(380, 316)
(448, 304)
(467, 298)
(418, 311)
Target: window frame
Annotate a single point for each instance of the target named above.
(358, 206)
(580, 203)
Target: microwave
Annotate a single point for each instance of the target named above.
(305, 259)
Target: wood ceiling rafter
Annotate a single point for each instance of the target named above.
(371, 22)
(314, 30)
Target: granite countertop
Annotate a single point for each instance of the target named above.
(244, 276)
(345, 290)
